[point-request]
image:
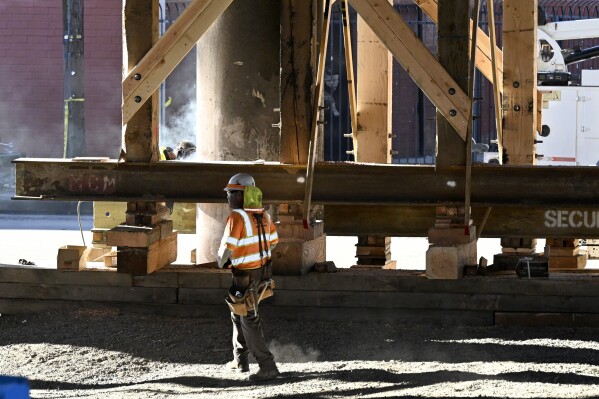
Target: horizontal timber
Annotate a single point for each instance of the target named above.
(362, 295)
(334, 183)
(503, 221)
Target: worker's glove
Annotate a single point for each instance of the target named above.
(227, 264)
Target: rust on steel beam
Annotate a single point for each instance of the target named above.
(369, 184)
(503, 221)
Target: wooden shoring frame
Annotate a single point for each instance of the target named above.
(484, 50)
(426, 71)
(168, 52)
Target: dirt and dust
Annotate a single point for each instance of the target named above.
(98, 353)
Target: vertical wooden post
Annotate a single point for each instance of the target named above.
(519, 104)
(374, 78)
(453, 52)
(519, 81)
(140, 144)
(374, 93)
(301, 20)
(297, 27)
(140, 134)
(74, 123)
(451, 244)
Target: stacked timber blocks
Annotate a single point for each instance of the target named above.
(593, 249)
(146, 242)
(565, 253)
(299, 248)
(452, 245)
(512, 250)
(374, 252)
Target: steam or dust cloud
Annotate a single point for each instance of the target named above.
(291, 353)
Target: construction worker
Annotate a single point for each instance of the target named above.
(185, 149)
(249, 236)
(167, 154)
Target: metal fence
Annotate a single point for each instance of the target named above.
(413, 123)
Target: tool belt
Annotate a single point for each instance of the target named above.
(246, 302)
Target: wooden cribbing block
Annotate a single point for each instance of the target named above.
(564, 251)
(518, 242)
(99, 236)
(147, 218)
(373, 241)
(295, 229)
(450, 236)
(563, 242)
(371, 251)
(449, 262)
(141, 261)
(518, 251)
(138, 236)
(70, 257)
(568, 262)
(297, 257)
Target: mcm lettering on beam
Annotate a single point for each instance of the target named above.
(93, 184)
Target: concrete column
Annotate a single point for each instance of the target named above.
(238, 74)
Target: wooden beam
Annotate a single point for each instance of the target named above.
(297, 27)
(375, 75)
(145, 77)
(497, 80)
(453, 53)
(483, 45)
(519, 81)
(140, 132)
(73, 86)
(503, 221)
(420, 64)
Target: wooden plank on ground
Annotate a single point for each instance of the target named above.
(37, 275)
(28, 306)
(421, 65)
(88, 293)
(546, 319)
(431, 316)
(397, 300)
(221, 280)
(168, 280)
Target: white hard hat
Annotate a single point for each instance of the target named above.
(239, 182)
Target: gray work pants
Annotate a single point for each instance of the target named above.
(247, 330)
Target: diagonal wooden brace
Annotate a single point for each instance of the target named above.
(168, 52)
(417, 60)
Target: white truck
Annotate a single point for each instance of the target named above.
(570, 113)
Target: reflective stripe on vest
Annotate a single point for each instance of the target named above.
(246, 221)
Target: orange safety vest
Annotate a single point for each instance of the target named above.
(241, 237)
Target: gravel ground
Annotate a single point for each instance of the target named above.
(108, 354)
